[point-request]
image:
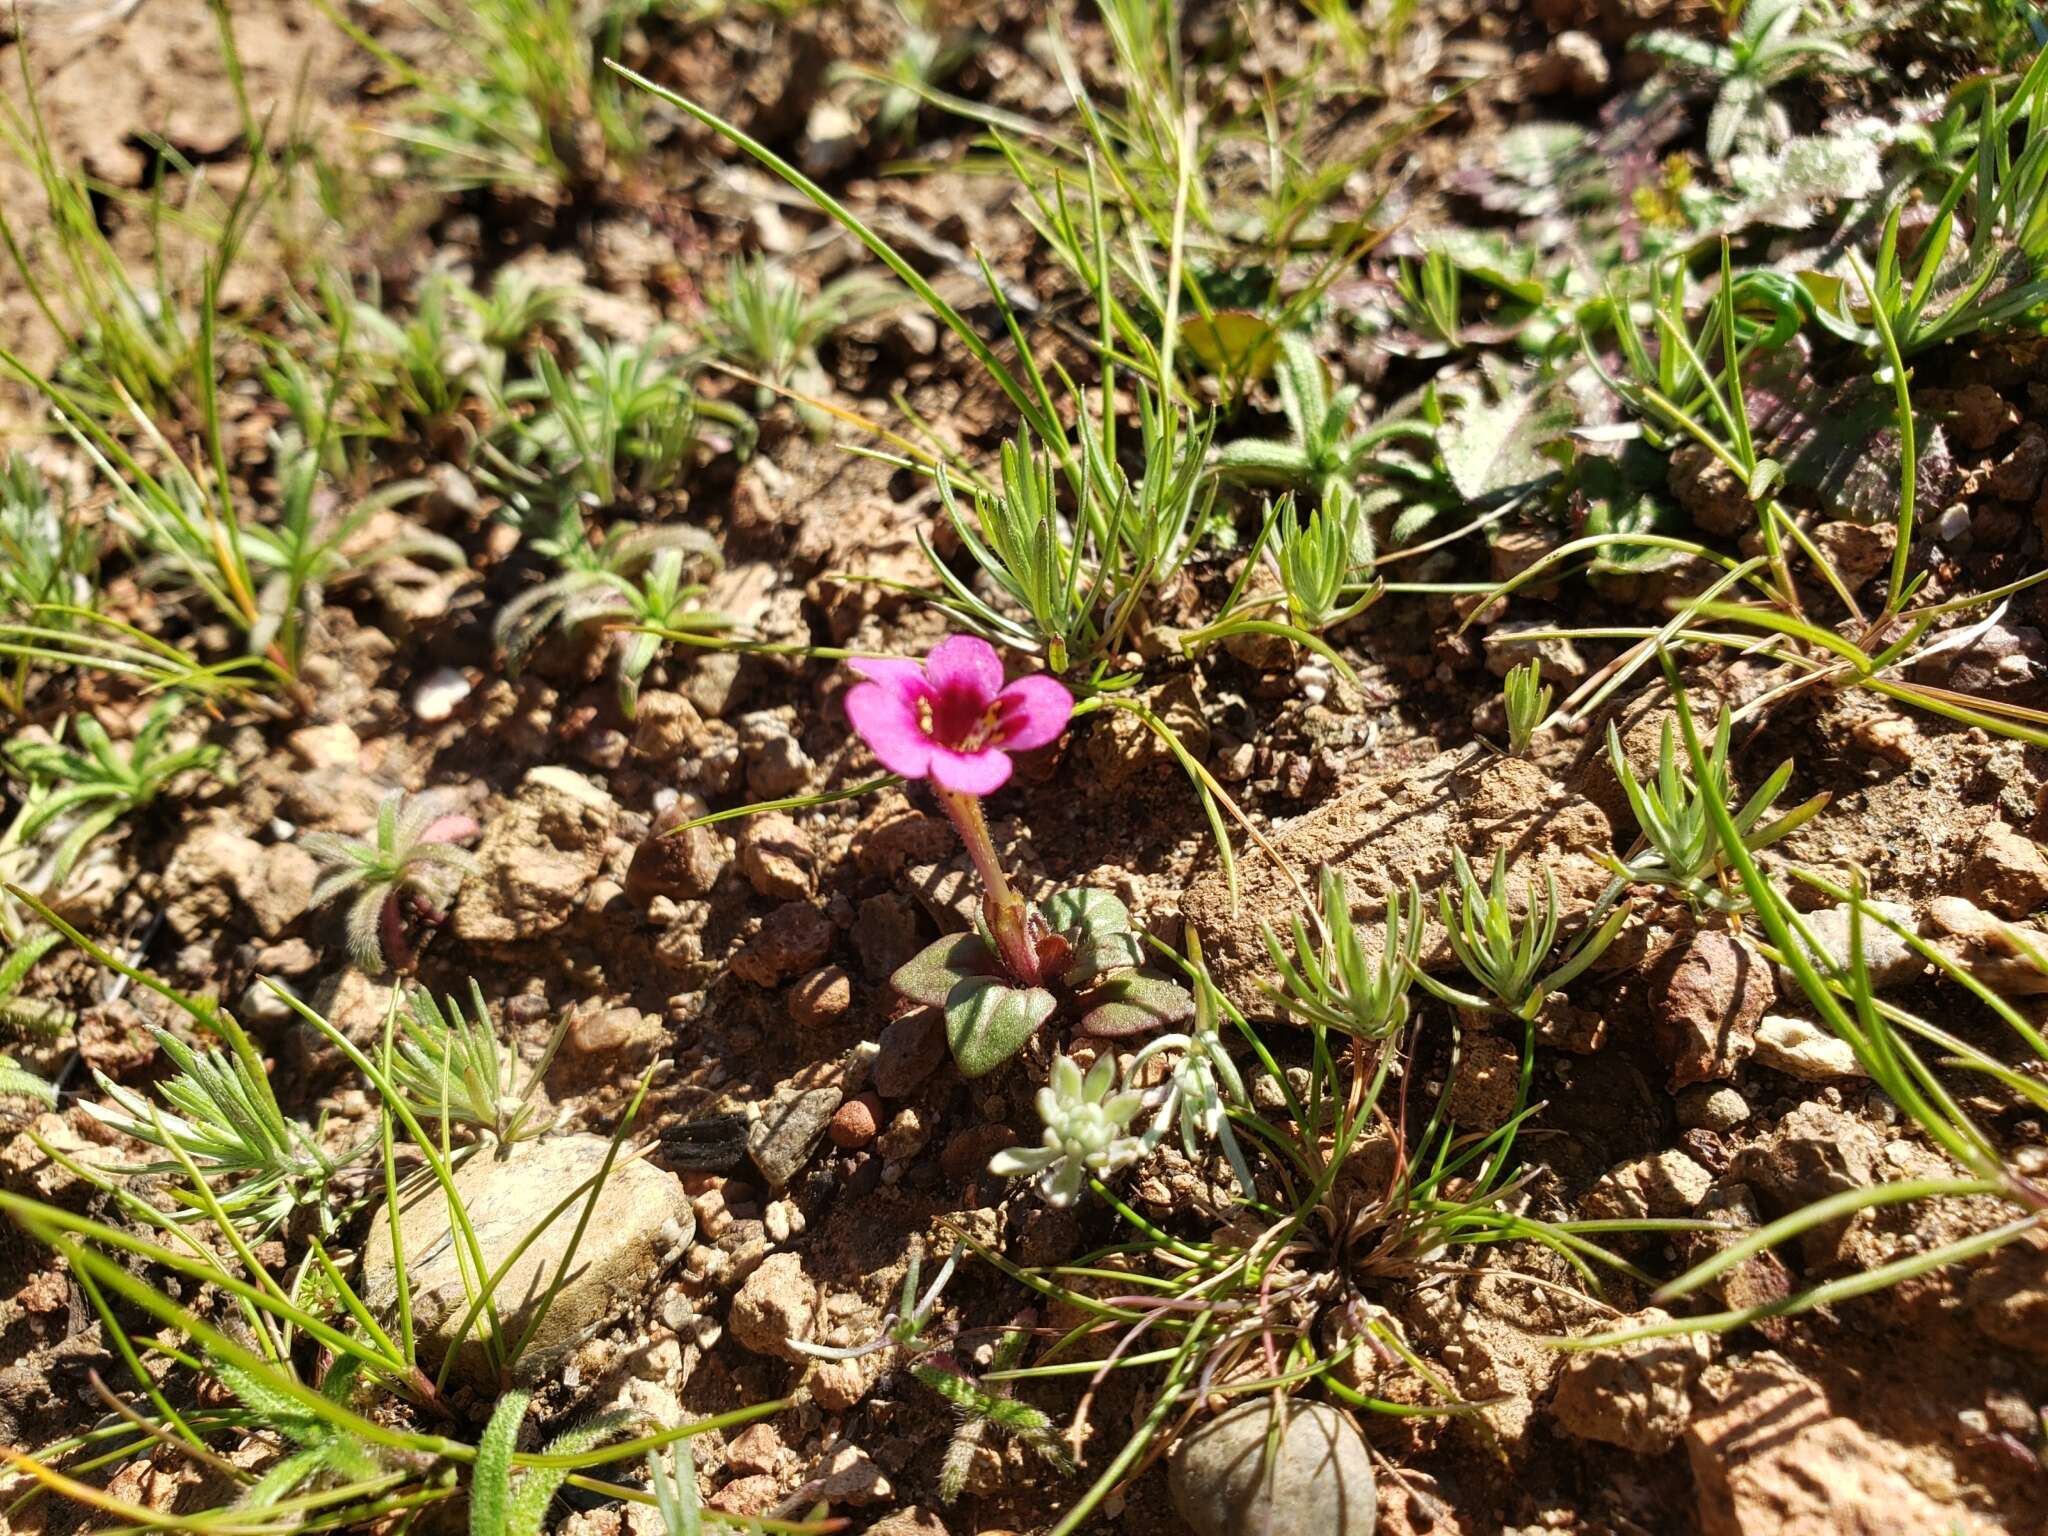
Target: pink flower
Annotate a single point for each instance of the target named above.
(950, 718)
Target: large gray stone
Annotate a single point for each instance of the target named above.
(643, 1220)
(1318, 1481)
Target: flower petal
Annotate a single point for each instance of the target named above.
(1034, 710)
(966, 773)
(968, 664)
(900, 677)
(887, 722)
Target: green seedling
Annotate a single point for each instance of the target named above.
(94, 784)
(1525, 698)
(451, 1069)
(1338, 983)
(1508, 955)
(233, 1152)
(621, 421)
(762, 319)
(1673, 812)
(413, 851)
(632, 581)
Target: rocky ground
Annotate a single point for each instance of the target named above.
(810, 1131)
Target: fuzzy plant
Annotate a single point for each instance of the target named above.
(233, 1155)
(953, 720)
(1767, 43)
(1087, 1131)
(94, 784)
(449, 1066)
(414, 851)
(17, 1082)
(638, 580)
(27, 1015)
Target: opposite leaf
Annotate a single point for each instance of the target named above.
(988, 1021)
(930, 975)
(1135, 1004)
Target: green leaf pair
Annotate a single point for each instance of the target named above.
(1093, 956)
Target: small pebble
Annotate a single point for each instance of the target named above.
(1711, 1107)
(855, 1122)
(437, 694)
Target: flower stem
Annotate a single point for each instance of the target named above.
(1007, 914)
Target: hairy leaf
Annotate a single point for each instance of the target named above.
(1135, 1004)
(988, 1021)
(490, 1488)
(1493, 448)
(930, 975)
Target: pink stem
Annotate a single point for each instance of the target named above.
(1007, 914)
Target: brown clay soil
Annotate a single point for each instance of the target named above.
(755, 954)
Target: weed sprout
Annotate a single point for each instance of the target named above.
(94, 784)
(414, 849)
(1526, 700)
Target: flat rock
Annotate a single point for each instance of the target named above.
(642, 1220)
(538, 857)
(1401, 824)
(1803, 1049)
(793, 1122)
(1319, 1477)
(1769, 1453)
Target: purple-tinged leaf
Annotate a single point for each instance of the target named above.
(988, 1021)
(1135, 1004)
(930, 975)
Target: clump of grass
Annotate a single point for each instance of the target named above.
(413, 851)
(86, 788)
(49, 566)
(633, 579)
(220, 1347)
(134, 344)
(1278, 1299)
